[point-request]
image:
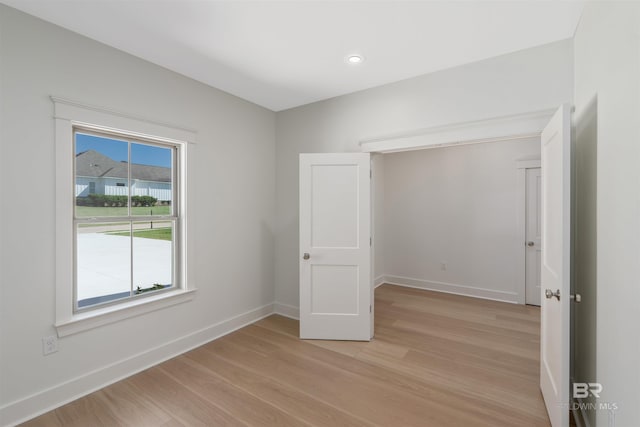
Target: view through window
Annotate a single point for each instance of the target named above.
(125, 218)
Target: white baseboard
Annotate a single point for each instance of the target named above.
(380, 280)
(31, 406)
(286, 310)
(452, 288)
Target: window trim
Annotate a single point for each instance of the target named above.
(67, 116)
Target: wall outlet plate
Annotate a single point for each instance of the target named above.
(49, 344)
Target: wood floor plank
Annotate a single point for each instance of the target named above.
(285, 397)
(497, 326)
(339, 388)
(85, 411)
(130, 407)
(436, 360)
(48, 419)
(187, 407)
(243, 406)
(438, 389)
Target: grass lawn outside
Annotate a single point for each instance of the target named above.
(154, 233)
(92, 211)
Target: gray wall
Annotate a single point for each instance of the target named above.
(607, 98)
(525, 81)
(234, 200)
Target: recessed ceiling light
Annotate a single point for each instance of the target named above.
(354, 59)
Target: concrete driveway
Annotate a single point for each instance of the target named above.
(104, 263)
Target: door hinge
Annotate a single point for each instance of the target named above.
(369, 308)
(370, 241)
(370, 174)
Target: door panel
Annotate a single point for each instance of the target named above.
(334, 205)
(335, 230)
(334, 289)
(555, 271)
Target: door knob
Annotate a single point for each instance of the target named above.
(550, 294)
(306, 256)
(530, 243)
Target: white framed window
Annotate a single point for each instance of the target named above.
(126, 241)
(124, 223)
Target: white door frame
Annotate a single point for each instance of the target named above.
(505, 128)
(521, 212)
(493, 129)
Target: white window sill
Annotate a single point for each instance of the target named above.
(84, 321)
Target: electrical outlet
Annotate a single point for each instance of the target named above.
(49, 344)
(443, 266)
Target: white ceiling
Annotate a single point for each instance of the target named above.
(281, 54)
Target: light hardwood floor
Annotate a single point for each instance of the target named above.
(436, 360)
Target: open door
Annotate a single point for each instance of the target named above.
(555, 274)
(335, 251)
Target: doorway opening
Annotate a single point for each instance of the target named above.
(453, 219)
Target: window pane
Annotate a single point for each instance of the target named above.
(151, 179)
(152, 256)
(103, 265)
(101, 180)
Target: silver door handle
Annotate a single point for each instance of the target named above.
(306, 256)
(550, 294)
(530, 243)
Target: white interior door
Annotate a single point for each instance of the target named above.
(555, 279)
(335, 251)
(533, 234)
